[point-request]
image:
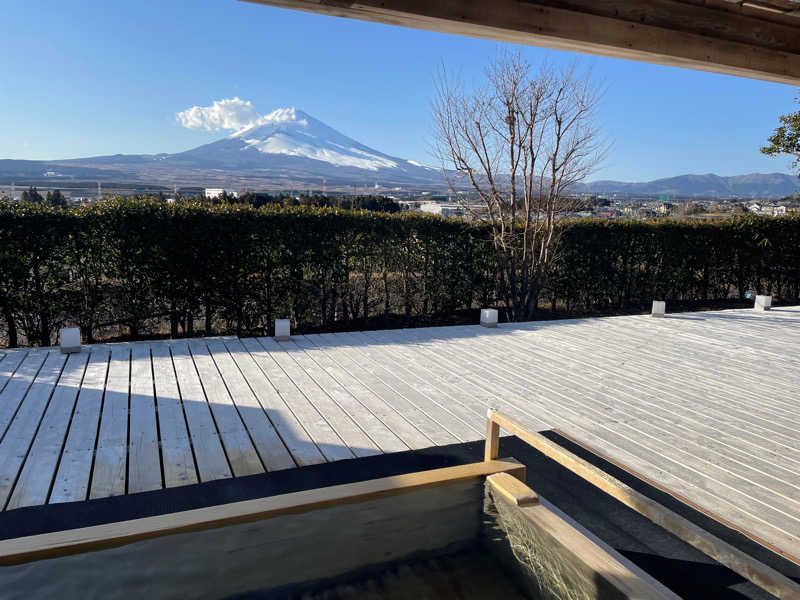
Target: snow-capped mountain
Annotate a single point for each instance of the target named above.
(285, 148)
(289, 143)
(292, 132)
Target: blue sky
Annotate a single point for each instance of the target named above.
(90, 78)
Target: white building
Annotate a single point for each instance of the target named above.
(216, 192)
(443, 210)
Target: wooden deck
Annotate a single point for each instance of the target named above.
(706, 404)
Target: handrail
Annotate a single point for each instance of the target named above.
(120, 533)
(737, 561)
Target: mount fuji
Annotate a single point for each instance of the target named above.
(285, 148)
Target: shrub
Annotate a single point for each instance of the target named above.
(139, 264)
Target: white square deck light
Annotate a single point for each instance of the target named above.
(659, 308)
(763, 302)
(282, 329)
(70, 339)
(489, 317)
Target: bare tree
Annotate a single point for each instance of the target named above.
(521, 142)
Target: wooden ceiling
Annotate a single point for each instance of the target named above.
(749, 38)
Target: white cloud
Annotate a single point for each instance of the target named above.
(228, 113)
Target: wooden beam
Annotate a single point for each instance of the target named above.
(680, 497)
(667, 32)
(514, 490)
(737, 561)
(98, 537)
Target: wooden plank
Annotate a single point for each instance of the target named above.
(176, 448)
(75, 466)
(327, 440)
(296, 439)
(212, 463)
(660, 347)
(357, 441)
(21, 431)
(378, 432)
(569, 26)
(478, 379)
(773, 491)
(511, 488)
(395, 386)
(36, 477)
(242, 456)
(609, 364)
(428, 426)
(9, 365)
(730, 556)
(411, 436)
(144, 457)
(17, 386)
(670, 412)
(111, 457)
(468, 416)
(268, 443)
(62, 543)
(414, 348)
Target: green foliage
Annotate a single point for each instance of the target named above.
(786, 138)
(56, 199)
(143, 263)
(618, 265)
(32, 196)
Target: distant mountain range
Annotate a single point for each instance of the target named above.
(754, 185)
(290, 149)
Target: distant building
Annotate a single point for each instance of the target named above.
(766, 209)
(406, 205)
(444, 210)
(217, 192)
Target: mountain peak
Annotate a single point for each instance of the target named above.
(285, 114)
(292, 132)
(278, 118)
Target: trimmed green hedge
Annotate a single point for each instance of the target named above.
(618, 265)
(143, 264)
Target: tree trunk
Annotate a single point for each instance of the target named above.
(44, 328)
(386, 304)
(209, 313)
(366, 300)
(173, 321)
(11, 325)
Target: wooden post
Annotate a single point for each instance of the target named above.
(492, 449)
